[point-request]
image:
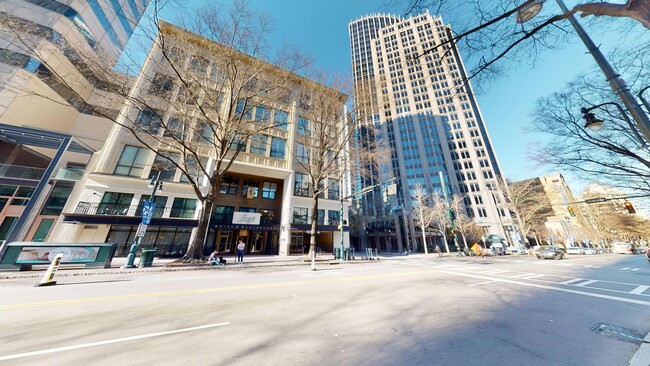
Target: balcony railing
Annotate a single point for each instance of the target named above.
(117, 209)
(21, 172)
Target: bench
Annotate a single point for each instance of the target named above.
(21, 256)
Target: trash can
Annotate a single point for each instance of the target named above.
(146, 258)
(337, 253)
(346, 254)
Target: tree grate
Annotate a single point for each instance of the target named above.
(622, 334)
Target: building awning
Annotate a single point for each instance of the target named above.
(125, 220)
(36, 137)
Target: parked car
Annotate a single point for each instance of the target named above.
(589, 251)
(549, 251)
(574, 250)
(620, 247)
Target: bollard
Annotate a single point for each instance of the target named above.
(48, 277)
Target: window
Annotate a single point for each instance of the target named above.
(203, 132)
(268, 217)
(131, 161)
(162, 86)
(115, 203)
(333, 189)
(250, 188)
(258, 144)
(302, 153)
(321, 217)
(6, 226)
(238, 143)
(268, 190)
(300, 215)
(183, 208)
(281, 119)
(42, 230)
(262, 114)
(229, 185)
(333, 217)
(277, 148)
(7, 191)
(223, 214)
(58, 198)
(149, 121)
(244, 110)
(301, 185)
(175, 128)
(164, 165)
(303, 126)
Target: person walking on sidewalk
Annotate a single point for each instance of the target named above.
(241, 247)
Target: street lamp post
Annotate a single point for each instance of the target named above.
(147, 213)
(594, 124)
(615, 81)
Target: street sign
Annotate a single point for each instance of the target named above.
(596, 200)
(147, 212)
(142, 229)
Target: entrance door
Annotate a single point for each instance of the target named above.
(225, 241)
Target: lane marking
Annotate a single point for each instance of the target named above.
(625, 268)
(211, 290)
(635, 269)
(480, 283)
(533, 276)
(568, 282)
(495, 271)
(583, 284)
(109, 341)
(559, 289)
(639, 290)
(524, 275)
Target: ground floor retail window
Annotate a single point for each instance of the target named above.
(169, 241)
(257, 242)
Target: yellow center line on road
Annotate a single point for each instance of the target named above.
(207, 290)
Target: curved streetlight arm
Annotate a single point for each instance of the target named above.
(643, 100)
(625, 117)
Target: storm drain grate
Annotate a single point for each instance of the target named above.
(619, 333)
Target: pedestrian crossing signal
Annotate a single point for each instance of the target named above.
(629, 207)
(571, 211)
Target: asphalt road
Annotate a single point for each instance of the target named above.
(416, 310)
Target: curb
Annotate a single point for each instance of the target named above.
(642, 356)
(206, 267)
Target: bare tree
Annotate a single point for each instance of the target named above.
(423, 214)
(440, 214)
(487, 32)
(610, 155)
(322, 146)
(528, 201)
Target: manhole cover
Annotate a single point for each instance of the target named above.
(619, 333)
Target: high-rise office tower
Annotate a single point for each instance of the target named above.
(418, 102)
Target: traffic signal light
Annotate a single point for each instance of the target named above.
(629, 207)
(571, 212)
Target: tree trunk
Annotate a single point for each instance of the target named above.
(314, 230)
(195, 249)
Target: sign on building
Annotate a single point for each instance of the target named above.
(246, 218)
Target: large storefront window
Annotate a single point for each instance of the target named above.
(167, 240)
(223, 214)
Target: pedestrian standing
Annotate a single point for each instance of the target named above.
(241, 247)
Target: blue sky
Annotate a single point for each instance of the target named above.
(320, 29)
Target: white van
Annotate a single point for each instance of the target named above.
(622, 248)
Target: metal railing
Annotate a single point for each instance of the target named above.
(117, 209)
